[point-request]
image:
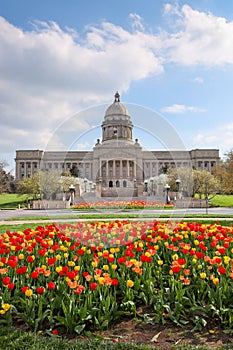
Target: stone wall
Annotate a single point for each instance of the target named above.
(47, 204)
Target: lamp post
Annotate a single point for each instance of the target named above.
(85, 185)
(178, 188)
(167, 188)
(90, 186)
(151, 187)
(72, 191)
(206, 199)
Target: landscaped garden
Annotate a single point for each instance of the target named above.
(77, 279)
(130, 205)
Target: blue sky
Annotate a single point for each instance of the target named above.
(60, 58)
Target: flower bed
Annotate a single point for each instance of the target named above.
(135, 205)
(78, 277)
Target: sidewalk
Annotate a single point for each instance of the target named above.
(45, 221)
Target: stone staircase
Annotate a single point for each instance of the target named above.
(92, 197)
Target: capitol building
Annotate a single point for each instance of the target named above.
(117, 164)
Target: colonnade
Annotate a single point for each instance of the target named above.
(117, 169)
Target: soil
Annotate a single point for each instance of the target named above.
(165, 337)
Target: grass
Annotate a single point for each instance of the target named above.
(11, 339)
(12, 201)
(222, 201)
(119, 216)
(21, 340)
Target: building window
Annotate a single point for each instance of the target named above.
(110, 183)
(124, 183)
(117, 183)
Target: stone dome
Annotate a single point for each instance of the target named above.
(117, 111)
(117, 122)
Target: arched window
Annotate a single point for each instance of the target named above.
(124, 183)
(110, 183)
(117, 183)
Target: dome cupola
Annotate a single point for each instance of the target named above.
(117, 122)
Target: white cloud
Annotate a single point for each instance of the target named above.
(180, 109)
(48, 73)
(199, 80)
(200, 38)
(84, 146)
(221, 136)
(137, 23)
(205, 139)
(171, 9)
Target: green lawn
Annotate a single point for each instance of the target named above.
(19, 340)
(222, 201)
(12, 201)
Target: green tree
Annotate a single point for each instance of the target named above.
(205, 183)
(224, 173)
(193, 182)
(7, 182)
(29, 186)
(185, 176)
(74, 171)
(66, 182)
(49, 183)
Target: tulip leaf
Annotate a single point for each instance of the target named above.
(155, 337)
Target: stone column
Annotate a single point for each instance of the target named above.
(120, 168)
(114, 168)
(127, 168)
(134, 169)
(107, 174)
(100, 168)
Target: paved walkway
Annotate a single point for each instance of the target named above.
(19, 216)
(43, 222)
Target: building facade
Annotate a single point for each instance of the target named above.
(117, 164)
